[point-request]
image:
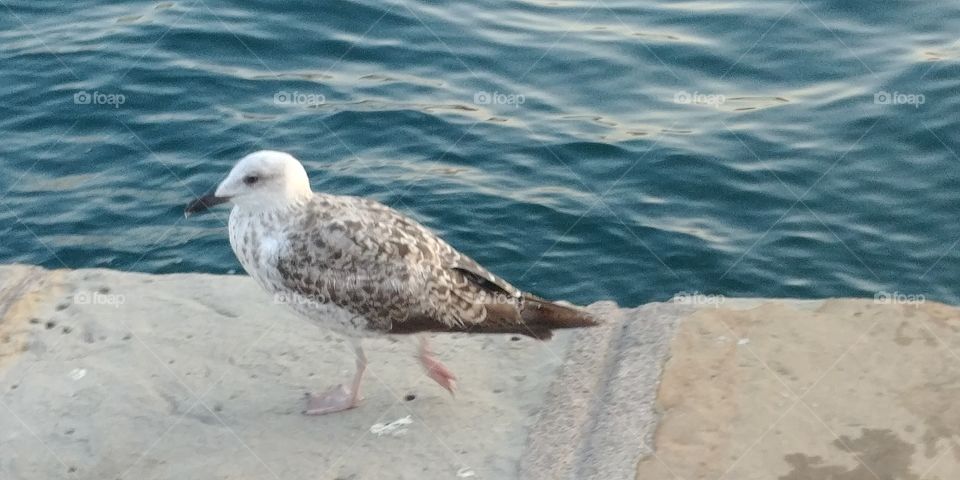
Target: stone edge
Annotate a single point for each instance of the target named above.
(600, 415)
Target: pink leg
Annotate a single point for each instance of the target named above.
(339, 398)
(436, 370)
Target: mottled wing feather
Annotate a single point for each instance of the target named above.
(446, 255)
(376, 263)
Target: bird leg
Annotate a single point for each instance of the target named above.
(339, 398)
(436, 370)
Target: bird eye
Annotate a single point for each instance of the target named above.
(251, 179)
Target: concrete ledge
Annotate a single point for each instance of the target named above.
(116, 375)
(111, 375)
(600, 416)
(839, 389)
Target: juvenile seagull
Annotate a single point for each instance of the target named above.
(360, 268)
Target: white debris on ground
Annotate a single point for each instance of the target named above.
(466, 472)
(395, 428)
(743, 341)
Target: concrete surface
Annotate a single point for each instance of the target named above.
(600, 415)
(832, 390)
(112, 375)
(109, 375)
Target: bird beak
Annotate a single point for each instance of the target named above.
(204, 203)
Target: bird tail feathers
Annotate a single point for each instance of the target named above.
(540, 316)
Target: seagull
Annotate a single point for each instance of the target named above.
(361, 269)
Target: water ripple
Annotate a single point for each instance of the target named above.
(628, 152)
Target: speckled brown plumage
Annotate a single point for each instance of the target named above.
(400, 277)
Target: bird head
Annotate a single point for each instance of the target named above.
(261, 181)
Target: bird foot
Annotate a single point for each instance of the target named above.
(337, 399)
(437, 371)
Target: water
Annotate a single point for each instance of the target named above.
(584, 150)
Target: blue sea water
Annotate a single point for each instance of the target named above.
(582, 149)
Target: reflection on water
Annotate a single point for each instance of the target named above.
(585, 151)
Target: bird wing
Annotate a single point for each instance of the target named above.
(377, 263)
